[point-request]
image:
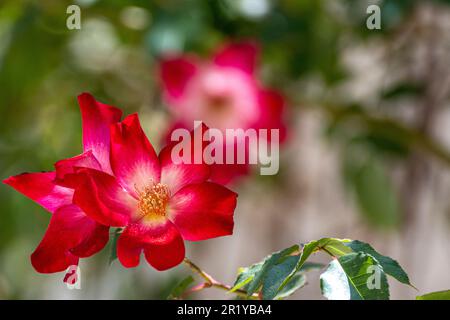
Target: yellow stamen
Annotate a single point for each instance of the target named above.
(153, 200)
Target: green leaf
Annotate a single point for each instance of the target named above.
(438, 295)
(275, 277)
(354, 276)
(358, 271)
(245, 276)
(298, 281)
(390, 266)
(333, 246)
(113, 253)
(180, 288)
(251, 278)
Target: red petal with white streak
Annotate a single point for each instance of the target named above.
(65, 169)
(100, 196)
(175, 174)
(40, 187)
(133, 159)
(203, 211)
(96, 118)
(161, 242)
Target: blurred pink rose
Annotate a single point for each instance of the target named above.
(224, 93)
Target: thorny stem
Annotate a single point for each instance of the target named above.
(211, 282)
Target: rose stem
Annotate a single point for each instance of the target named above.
(211, 282)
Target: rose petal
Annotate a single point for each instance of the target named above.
(100, 196)
(177, 175)
(271, 116)
(225, 174)
(65, 169)
(71, 276)
(69, 228)
(96, 118)
(40, 187)
(175, 75)
(161, 242)
(95, 238)
(202, 211)
(241, 56)
(167, 255)
(133, 159)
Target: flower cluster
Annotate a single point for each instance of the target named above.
(120, 181)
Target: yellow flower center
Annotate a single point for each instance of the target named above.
(153, 200)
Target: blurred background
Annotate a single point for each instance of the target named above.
(368, 149)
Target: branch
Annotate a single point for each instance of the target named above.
(211, 282)
(415, 138)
